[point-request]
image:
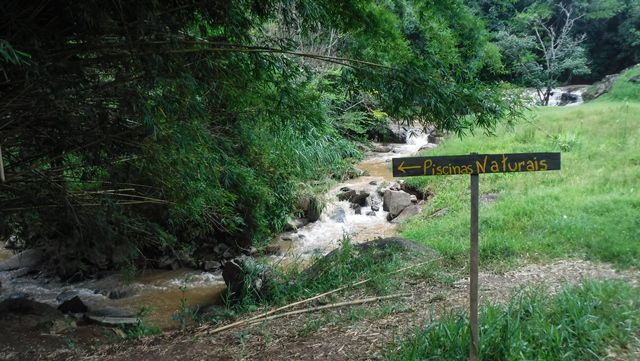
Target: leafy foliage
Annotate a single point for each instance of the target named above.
(610, 28)
(143, 128)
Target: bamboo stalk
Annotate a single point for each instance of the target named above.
(1, 167)
(265, 314)
(332, 305)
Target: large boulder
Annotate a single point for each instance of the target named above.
(14, 242)
(26, 259)
(346, 194)
(600, 88)
(73, 305)
(360, 198)
(24, 305)
(568, 98)
(407, 213)
(395, 202)
(244, 276)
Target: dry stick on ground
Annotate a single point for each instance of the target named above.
(265, 314)
(1, 167)
(331, 305)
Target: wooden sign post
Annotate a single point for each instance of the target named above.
(474, 165)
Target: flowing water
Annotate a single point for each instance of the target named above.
(339, 220)
(164, 291)
(572, 96)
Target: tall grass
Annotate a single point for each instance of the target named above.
(580, 323)
(343, 266)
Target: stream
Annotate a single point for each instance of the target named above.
(162, 291)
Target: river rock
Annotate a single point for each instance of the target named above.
(66, 295)
(427, 146)
(294, 224)
(600, 88)
(371, 213)
(73, 305)
(635, 79)
(14, 242)
(26, 259)
(346, 195)
(314, 211)
(229, 253)
(378, 148)
(340, 215)
(211, 265)
(111, 317)
(375, 207)
(395, 201)
(360, 198)
(434, 139)
(406, 213)
(568, 98)
(168, 262)
(119, 293)
(288, 236)
(243, 275)
(27, 306)
(357, 209)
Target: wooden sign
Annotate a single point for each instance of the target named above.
(475, 164)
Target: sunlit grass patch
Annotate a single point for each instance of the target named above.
(588, 209)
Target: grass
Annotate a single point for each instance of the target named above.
(580, 323)
(346, 265)
(623, 90)
(588, 209)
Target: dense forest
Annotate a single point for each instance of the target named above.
(132, 130)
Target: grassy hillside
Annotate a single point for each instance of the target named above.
(623, 90)
(588, 209)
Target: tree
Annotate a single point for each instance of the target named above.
(560, 51)
(143, 128)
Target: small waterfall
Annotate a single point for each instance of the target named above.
(562, 96)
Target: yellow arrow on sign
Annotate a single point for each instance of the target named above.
(402, 167)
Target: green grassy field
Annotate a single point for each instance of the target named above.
(589, 209)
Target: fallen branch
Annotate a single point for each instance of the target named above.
(1, 167)
(331, 305)
(265, 314)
